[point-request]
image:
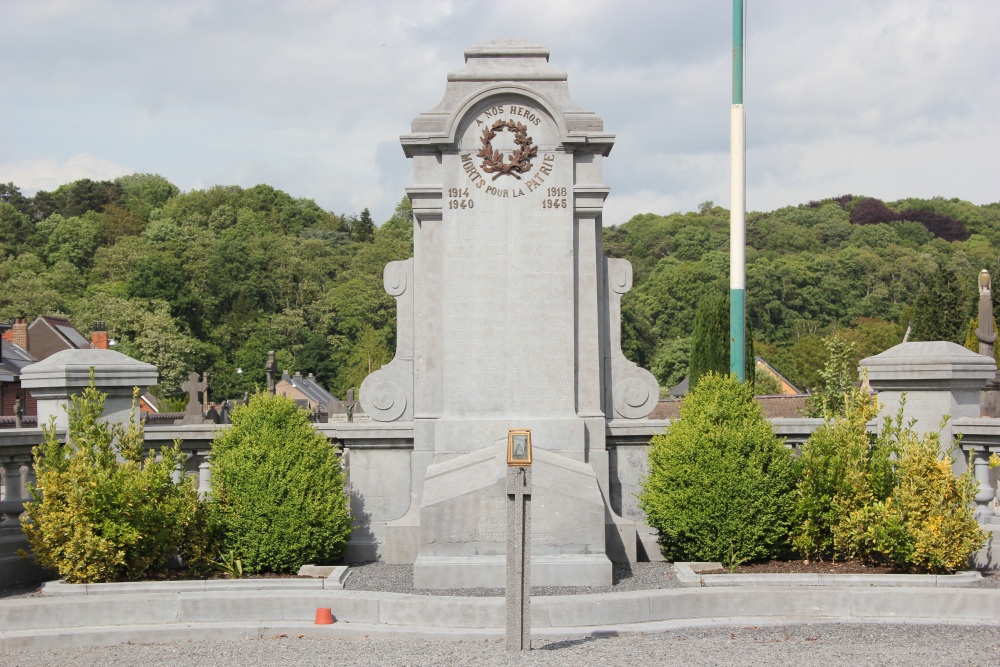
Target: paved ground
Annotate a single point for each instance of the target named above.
(796, 645)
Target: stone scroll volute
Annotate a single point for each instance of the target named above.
(634, 391)
(387, 394)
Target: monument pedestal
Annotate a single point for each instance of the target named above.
(463, 523)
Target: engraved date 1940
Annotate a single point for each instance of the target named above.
(458, 198)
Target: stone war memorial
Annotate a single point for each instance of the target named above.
(508, 317)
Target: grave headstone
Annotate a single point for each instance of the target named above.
(271, 368)
(508, 315)
(193, 412)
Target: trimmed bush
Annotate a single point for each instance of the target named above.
(278, 488)
(843, 468)
(102, 510)
(926, 524)
(721, 484)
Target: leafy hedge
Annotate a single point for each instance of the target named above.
(890, 498)
(278, 488)
(720, 484)
(102, 510)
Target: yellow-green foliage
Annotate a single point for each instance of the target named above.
(102, 510)
(843, 468)
(278, 488)
(927, 523)
(720, 484)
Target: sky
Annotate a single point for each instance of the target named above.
(883, 98)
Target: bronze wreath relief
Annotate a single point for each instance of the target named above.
(520, 159)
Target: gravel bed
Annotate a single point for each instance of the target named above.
(733, 646)
(399, 579)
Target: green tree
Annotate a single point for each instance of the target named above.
(843, 469)
(710, 341)
(370, 353)
(363, 229)
(144, 193)
(400, 225)
(940, 310)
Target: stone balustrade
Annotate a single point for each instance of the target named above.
(626, 443)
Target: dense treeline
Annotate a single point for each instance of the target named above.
(854, 267)
(207, 280)
(212, 279)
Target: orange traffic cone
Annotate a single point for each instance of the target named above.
(324, 616)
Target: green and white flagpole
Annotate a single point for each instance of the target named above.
(737, 206)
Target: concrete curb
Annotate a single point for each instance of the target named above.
(82, 620)
(689, 574)
(334, 581)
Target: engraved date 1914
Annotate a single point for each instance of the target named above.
(458, 198)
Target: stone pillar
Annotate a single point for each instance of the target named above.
(937, 378)
(519, 558)
(53, 380)
(204, 475)
(15, 489)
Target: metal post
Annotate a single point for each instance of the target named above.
(519, 558)
(737, 206)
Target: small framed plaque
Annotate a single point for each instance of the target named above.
(519, 447)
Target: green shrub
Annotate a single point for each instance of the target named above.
(278, 488)
(926, 524)
(101, 510)
(836, 380)
(720, 484)
(843, 468)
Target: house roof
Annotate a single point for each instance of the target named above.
(66, 331)
(309, 388)
(760, 361)
(13, 359)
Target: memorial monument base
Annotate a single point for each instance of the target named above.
(490, 571)
(463, 522)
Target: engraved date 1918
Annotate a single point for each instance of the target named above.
(555, 198)
(458, 198)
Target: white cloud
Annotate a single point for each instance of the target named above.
(311, 97)
(48, 174)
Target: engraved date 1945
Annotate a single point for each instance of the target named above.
(555, 198)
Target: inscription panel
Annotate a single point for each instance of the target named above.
(508, 325)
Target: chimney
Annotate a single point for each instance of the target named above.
(18, 334)
(99, 336)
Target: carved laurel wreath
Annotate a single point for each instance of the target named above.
(520, 159)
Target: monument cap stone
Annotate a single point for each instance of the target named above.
(928, 365)
(53, 380)
(935, 379)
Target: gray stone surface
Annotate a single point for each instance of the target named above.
(37, 623)
(732, 644)
(463, 522)
(691, 574)
(938, 379)
(508, 314)
(65, 373)
(518, 558)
